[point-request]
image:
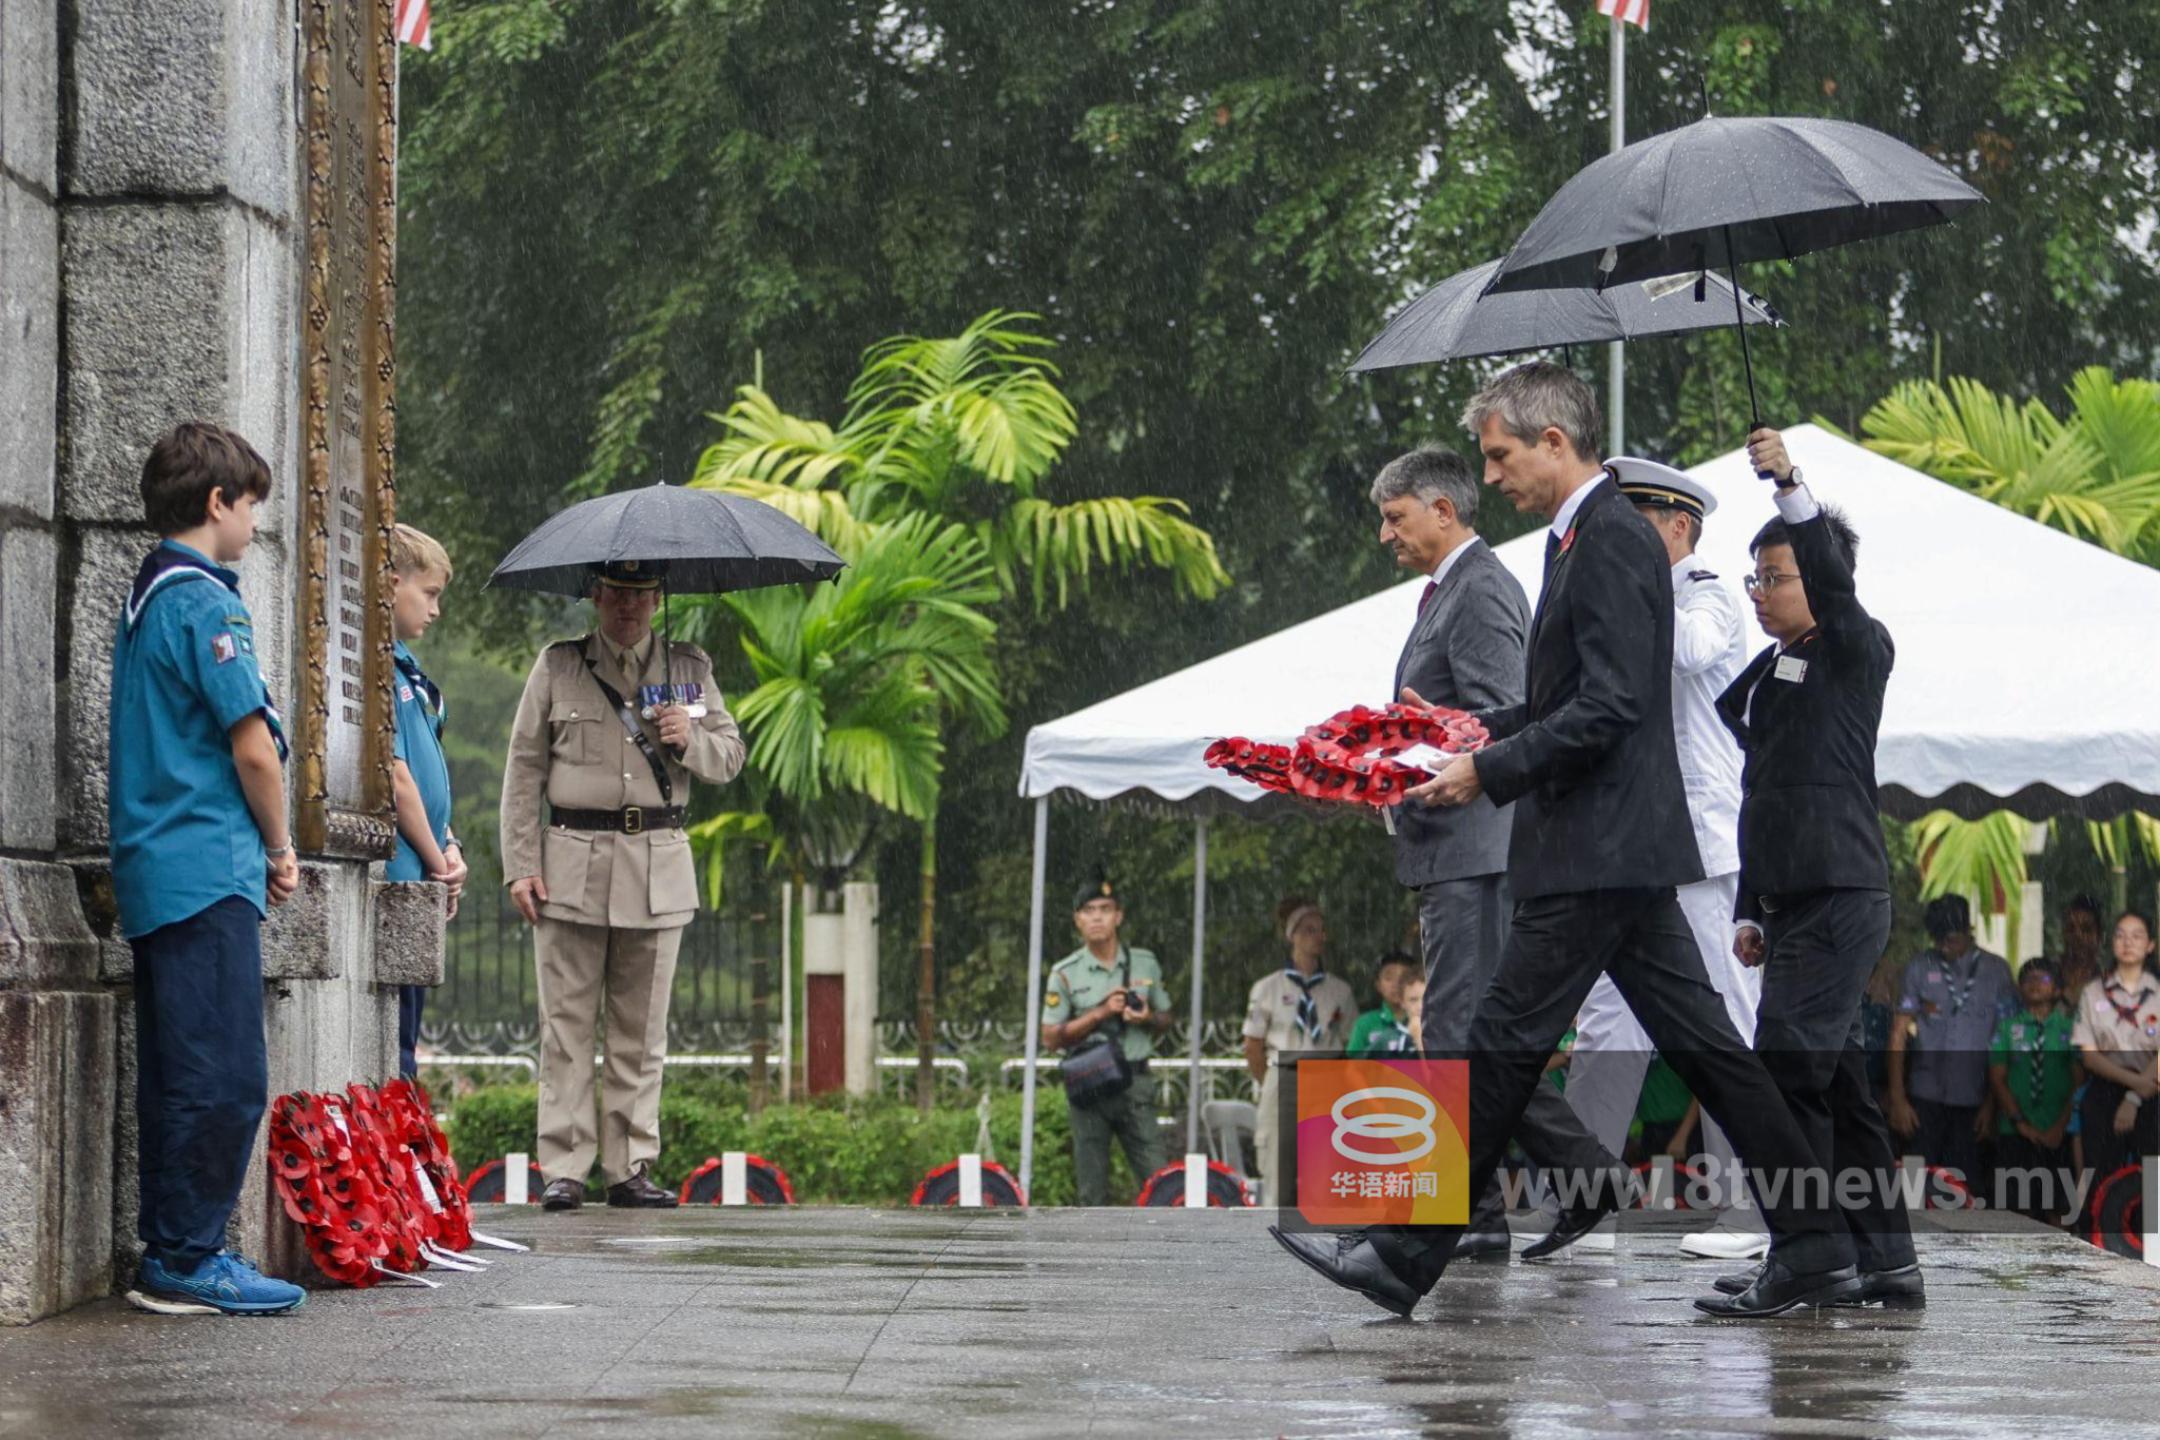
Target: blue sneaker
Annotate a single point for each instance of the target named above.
(223, 1284)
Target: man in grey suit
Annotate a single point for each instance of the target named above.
(1466, 652)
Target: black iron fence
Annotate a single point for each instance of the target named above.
(488, 1003)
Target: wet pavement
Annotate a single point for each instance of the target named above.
(867, 1323)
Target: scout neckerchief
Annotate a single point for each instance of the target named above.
(430, 694)
(1402, 1042)
(165, 565)
(168, 565)
(1958, 992)
(1308, 1012)
(2035, 1049)
(630, 725)
(2129, 1014)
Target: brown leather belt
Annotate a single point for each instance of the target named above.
(630, 820)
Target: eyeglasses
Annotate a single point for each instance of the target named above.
(1764, 584)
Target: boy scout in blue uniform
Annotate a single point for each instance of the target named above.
(426, 850)
(199, 849)
(1105, 984)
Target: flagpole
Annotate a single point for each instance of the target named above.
(1616, 367)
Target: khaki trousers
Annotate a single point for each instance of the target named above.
(635, 971)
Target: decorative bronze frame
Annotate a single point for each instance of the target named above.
(321, 828)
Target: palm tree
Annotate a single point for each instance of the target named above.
(854, 682)
(964, 430)
(2095, 474)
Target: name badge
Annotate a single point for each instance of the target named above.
(1791, 668)
(690, 697)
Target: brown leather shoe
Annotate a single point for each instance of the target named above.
(563, 1195)
(637, 1192)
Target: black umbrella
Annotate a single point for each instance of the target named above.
(710, 542)
(1721, 192)
(1458, 320)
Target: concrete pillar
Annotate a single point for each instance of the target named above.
(171, 235)
(859, 947)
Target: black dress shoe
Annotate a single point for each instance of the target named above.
(639, 1193)
(1351, 1262)
(1738, 1281)
(563, 1195)
(1897, 1289)
(1572, 1225)
(1778, 1290)
(1481, 1245)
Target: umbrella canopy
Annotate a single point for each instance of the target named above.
(1725, 191)
(1457, 320)
(709, 541)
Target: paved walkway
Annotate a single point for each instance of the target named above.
(867, 1323)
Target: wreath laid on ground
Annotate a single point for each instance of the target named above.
(1348, 757)
(369, 1179)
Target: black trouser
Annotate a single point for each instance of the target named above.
(1822, 948)
(1945, 1139)
(1464, 926)
(2028, 1178)
(1556, 948)
(412, 1001)
(2105, 1151)
(202, 1076)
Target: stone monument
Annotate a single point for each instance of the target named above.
(197, 220)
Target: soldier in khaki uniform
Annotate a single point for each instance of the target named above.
(1104, 986)
(605, 877)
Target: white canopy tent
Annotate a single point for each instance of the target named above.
(2011, 689)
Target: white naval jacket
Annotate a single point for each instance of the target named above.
(1709, 651)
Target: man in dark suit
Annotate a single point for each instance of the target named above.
(1465, 651)
(1601, 839)
(1814, 905)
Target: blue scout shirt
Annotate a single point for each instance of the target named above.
(184, 674)
(419, 714)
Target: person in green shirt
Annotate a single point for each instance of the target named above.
(1106, 989)
(1386, 1029)
(2033, 1070)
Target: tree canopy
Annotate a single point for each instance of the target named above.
(616, 213)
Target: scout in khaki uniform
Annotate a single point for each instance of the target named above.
(1297, 1009)
(1105, 987)
(2117, 1033)
(604, 876)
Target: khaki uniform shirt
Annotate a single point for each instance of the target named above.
(1271, 1014)
(1080, 982)
(569, 748)
(2120, 1024)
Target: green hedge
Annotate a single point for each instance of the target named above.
(835, 1151)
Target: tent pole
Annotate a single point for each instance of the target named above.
(1196, 1018)
(1033, 1038)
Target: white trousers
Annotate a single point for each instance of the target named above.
(1612, 1051)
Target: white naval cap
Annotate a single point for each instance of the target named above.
(1646, 482)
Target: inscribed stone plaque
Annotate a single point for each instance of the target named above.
(343, 719)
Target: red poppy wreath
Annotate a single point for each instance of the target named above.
(1348, 758)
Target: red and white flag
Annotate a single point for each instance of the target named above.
(1627, 12)
(412, 22)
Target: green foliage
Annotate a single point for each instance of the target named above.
(2094, 474)
(835, 1152)
(613, 209)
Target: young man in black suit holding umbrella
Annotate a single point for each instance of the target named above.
(1814, 904)
(1601, 839)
